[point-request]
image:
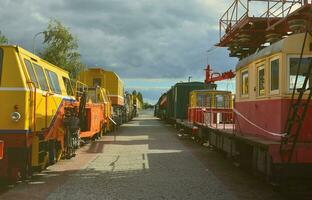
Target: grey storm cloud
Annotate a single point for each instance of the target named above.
(137, 39)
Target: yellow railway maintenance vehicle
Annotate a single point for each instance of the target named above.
(33, 97)
(129, 107)
(97, 96)
(42, 118)
(112, 83)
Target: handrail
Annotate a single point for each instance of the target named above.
(35, 103)
(214, 112)
(46, 95)
(80, 88)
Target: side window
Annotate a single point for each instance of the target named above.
(68, 87)
(200, 99)
(97, 82)
(244, 83)
(208, 100)
(274, 75)
(1, 60)
(31, 72)
(219, 101)
(41, 78)
(261, 86)
(53, 81)
(176, 94)
(227, 101)
(293, 68)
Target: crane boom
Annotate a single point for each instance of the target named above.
(211, 77)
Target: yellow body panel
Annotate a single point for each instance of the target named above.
(212, 100)
(36, 105)
(288, 47)
(105, 79)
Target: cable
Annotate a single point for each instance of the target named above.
(255, 125)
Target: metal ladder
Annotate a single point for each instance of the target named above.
(297, 110)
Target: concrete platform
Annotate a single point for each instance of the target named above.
(143, 160)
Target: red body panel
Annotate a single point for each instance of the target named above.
(196, 115)
(1, 149)
(14, 151)
(95, 119)
(270, 115)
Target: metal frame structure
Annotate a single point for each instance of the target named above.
(297, 110)
(243, 32)
(212, 77)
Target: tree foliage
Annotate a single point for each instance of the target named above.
(3, 39)
(61, 48)
(147, 106)
(140, 97)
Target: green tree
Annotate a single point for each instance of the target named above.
(62, 48)
(3, 39)
(140, 97)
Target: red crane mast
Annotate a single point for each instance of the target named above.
(211, 77)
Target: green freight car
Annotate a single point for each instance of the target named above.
(161, 107)
(178, 99)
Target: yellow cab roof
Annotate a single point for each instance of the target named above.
(28, 53)
(102, 70)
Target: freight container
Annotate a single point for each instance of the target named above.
(178, 98)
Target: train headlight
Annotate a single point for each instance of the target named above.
(15, 116)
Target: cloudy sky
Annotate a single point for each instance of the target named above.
(151, 44)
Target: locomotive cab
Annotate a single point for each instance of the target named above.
(210, 108)
(265, 82)
(32, 104)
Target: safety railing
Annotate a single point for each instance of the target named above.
(241, 9)
(80, 88)
(223, 119)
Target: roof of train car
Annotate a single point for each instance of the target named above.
(102, 69)
(216, 91)
(34, 56)
(186, 84)
(189, 83)
(272, 49)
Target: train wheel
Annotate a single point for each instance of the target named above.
(201, 136)
(58, 151)
(14, 175)
(26, 172)
(52, 152)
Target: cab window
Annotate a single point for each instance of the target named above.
(97, 82)
(208, 100)
(261, 86)
(293, 68)
(219, 101)
(53, 81)
(274, 75)
(1, 59)
(200, 100)
(68, 87)
(31, 72)
(244, 83)
(41, 77)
